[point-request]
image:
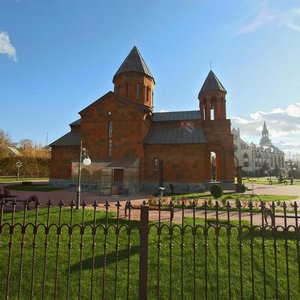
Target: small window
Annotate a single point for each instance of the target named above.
(127, 87)
(245, 160)
(156, 163)
(147, 94)
(138, 91)
(110, 133)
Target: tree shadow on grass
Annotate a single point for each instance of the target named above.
(101, 260)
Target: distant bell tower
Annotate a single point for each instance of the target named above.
(134, 81)
(212, 100)
(265, 140)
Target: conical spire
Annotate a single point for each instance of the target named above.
(134, 62)
(212, 83)
(265, 140)
(265, 130)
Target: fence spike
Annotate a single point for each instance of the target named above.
(49, 203)
(72, 204)
(159, 203)
(95, 204)
(107, 205)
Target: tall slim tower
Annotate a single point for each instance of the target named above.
(212, 98)
(265, 140)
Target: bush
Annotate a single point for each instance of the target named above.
(216, 191)
(243, 188)
(27, 183)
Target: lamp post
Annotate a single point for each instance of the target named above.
(18, 165)
(83, 158)
(292, 168)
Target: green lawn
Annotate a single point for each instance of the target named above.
(35, 187)
(266, 180)
(182, 267)
(14, 178)
(232, 196)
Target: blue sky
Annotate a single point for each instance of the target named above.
(58, 56)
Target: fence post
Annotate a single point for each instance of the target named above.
(143, 271)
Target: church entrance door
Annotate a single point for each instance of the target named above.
(118, 180)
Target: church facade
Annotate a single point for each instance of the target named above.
(133, 148)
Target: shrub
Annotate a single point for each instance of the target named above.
(27, 183)
(243, 188)
(216, 191)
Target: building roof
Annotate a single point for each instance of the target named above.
(134, 62)
(176, 116)
(212, 83)
(77, 122)
(69, 139)
(172, 135)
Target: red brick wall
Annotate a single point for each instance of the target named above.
(129, 129)
(182, 163)
(61, 157)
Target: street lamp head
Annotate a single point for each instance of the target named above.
(87, 161)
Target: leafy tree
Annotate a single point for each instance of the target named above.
(5, 142)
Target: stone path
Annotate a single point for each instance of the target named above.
(68, 195)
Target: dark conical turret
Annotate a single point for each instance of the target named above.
(212, 83)
(134, 62)
(134, 81)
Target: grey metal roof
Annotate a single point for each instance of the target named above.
(69, 139)
(172, 135)
(177, 116)
(134, 62)
(212, 83)
(77, 122)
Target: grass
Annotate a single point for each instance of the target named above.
(36, 187)
(177, 264)
(14, 178)
(231, 196)
(265, 180)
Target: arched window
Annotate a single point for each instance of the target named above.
(138, 91)
(152, 96)
(156, 163)
(110, 133)
(127, 87)
(212, 108)
(148, 94)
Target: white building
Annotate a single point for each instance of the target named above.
(258, 160)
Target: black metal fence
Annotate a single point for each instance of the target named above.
(191, 249)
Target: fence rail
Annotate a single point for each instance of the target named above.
(177, 250)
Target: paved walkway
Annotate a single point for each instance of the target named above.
(275, 189)
(67, 195)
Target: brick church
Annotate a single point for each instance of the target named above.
(133, 148)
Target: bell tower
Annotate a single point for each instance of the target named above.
(212, 102)
(134, 81)
(265, 140)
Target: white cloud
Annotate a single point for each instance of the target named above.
(270, 12)
(6, 47)
(283, 125)
(261, 19)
